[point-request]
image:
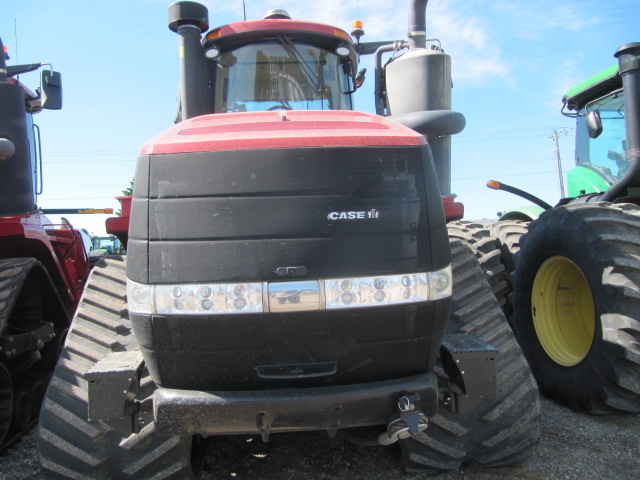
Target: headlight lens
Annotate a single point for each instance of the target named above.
(195, 299)
(440, 283)
(376, 291)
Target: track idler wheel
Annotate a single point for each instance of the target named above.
(52, 349)
(36, 390)
(6, 401)
(22, 410)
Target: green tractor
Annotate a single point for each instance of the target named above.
(575, 269)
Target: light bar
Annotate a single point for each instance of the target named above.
(195, 299)
(376, 291)
(305, 295)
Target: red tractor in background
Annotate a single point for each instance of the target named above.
(43, 267)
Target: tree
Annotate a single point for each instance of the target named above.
(126, 192)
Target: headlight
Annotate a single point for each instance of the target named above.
(140, 297)
(440, 283)
(376, 291)
(195, 299)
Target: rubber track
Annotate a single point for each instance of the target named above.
(499, 430)
(72, 447)
(610, 234)
(485, 248)
(13, 272)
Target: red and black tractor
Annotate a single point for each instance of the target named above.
(43, 267)
(289, 268)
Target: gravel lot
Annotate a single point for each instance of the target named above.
(573, 446)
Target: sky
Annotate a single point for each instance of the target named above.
(511, 63)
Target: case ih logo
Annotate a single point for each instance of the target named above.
(371, 214)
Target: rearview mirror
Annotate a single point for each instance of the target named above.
(594, 124)
(51, 90)
(433, 122)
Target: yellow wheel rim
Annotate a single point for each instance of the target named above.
(563, 311)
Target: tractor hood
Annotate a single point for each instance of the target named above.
(281, 129)
(239, 195)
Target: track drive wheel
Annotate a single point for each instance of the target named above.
(576, 305)
(499, 430)
(6, 402)
(72, 447)
(484, 247)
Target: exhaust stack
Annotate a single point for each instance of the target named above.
(628, 56)
(419, 83)
(417, 32)
(189, 20)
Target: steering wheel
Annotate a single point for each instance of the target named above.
(277, 107)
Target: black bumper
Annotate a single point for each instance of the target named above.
(188, 412)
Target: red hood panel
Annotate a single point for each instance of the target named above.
(281, 129)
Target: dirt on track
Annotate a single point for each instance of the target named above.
(573, 446)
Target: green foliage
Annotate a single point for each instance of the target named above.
(126, 192)
(129, 190)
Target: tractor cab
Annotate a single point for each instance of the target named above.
(275, 63)
(279, 63)
(601, 145)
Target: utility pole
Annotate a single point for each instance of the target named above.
(555, 136)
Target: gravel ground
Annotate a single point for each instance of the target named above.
(573, 446)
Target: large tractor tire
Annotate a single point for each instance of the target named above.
(576, 305)
(69, 445)
(499, 430)
(507, 234)
(483, 246)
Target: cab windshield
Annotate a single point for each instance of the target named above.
(606, 154)
(280, 75)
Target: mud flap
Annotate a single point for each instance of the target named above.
(113, 384)
(470, 365)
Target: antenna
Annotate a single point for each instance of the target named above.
(15, 36)
(244, 10)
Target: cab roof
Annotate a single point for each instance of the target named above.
(277, 26)
(593, 88)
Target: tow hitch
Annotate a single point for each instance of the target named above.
(410, 421)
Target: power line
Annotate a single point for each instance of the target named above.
(457, 142)
(41, 199)
(75, 187)
(84, 154)
(503, 175)
(460, 162)
(71, 152)
(500, 135)
(503, 132)
(91, 162)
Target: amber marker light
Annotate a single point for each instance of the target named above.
(213, 34)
